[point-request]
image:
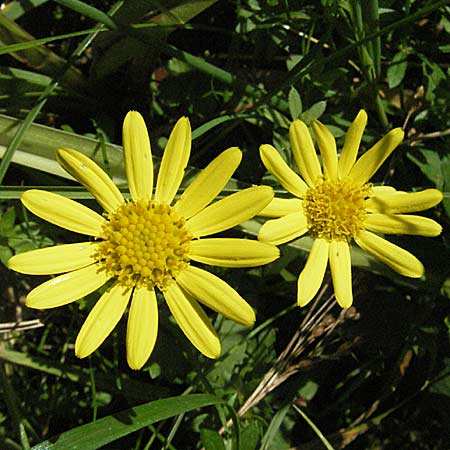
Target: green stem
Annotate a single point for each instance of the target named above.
(306, 66)
(364, 19)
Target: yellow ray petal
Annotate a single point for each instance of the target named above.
(67, 288)
(208, 183)
(230, 252)
(279, 207)
(63, 212)
(402, 224)
(327, 147)
(351, 144)
(51, 260)
(276, 165)
(91, 176)
(193, 321)
(230, 211)
(371, 161)
(377, 190)
(304, 152)
(341, 272)
(390, 254)
(311, 277)
(174, 162)
(102, 319)
(142, 327)
(138, 156)
(403, 202)
(216, 294)
(284, 229)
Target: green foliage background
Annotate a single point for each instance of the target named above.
(375, 376)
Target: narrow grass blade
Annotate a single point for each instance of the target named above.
(89, 11)
(323, 439)
(108, 429)
(39, 143)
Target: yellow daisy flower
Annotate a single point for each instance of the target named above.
(337, 206)
(147, 244)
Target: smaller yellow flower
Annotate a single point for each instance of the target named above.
(337, 206)
(147, 244)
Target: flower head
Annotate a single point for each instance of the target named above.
(337, 205)
(147, 244)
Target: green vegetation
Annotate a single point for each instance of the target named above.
(374, 376)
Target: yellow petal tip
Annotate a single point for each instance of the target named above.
(303, 301)
(344, 303)
(398, 134)
(135, 365)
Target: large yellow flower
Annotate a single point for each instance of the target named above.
(337, 206)
(147, 243)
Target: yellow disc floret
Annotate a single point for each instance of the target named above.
(335, 210)
(144, 244)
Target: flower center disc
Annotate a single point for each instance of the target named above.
(335, 209)
(145, 244)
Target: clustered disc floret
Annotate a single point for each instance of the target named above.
(145, 243)
(335, 209)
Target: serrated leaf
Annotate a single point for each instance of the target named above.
(397, 69)
(295, 103)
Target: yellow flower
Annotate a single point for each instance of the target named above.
(338, 206)
(147, 243)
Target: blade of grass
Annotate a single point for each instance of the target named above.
(136, 391)
(274, 427)
(30, 44)
(25, 125)
(39, 143)
(108, 429)
(12, 403)
(89, 11)
(41, 58)
(316, 430)
(15, 9)
(306, 66)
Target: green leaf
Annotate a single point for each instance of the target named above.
(295, 103)
(314, 112)
(38, 146)
(211, 440)
(7, 221)
(251, 435)
(5, 254)
(13, 38)
(89, 11)
(108, 429)
(15, 9)
(397, 69)
(437, 169)
(274, 427)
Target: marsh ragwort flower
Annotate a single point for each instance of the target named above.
(147, 244)
(337, 205)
